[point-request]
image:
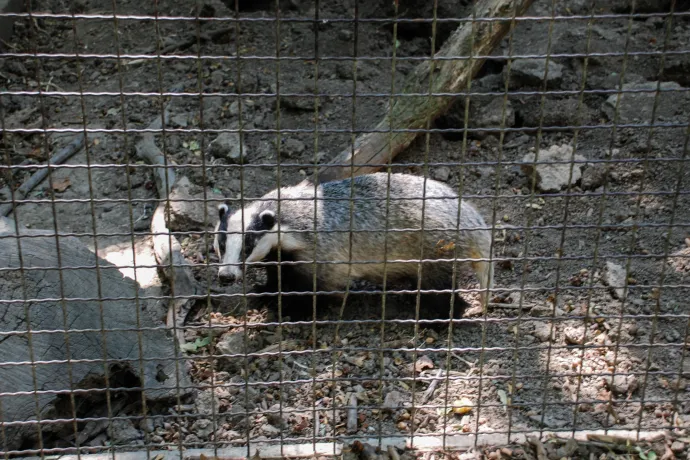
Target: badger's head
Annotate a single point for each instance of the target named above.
(248, 235)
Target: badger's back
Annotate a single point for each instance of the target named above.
(373, 218)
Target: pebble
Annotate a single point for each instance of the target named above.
(574, 335)
(441, 173)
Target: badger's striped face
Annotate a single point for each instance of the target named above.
(243, 238)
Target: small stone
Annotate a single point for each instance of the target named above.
(574, 335)
(270, 430)
(442, 173)
(217, 77)
(553, 167)
(422, 363)
(293, 147)
(542, 331)
(593, 177)
(614, 277)
(227, 145)
(622, 384)
(392, 401)
(123, 432)
(202, 428)
(345, 35)
(678, 447)
(180, 120)
(533, 72)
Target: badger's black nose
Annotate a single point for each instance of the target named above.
(226, 278)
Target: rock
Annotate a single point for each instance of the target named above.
(123, 432)
(485, 112)
(542, 331)
(292, 148)
(231, 343)
(614, 277)
(181, 120)
(227, 145)
(574, 335)
(345, 71)
(202, 427)
(678, 447)
(7, 22)
(556, 112)
(593, 176)
(345, 35)
(441, 173)
(533, 72)
(206, 403)
(637, 107)
(551, 176)
(217, 77)
(422, 363)
(187, 210)
(392, 401)
(622, 384)
(270, 430)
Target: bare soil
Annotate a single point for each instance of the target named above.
(574, 358)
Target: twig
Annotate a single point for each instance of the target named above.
(36, 178)
(352, 415)
(432, 387)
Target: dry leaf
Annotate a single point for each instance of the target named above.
(61, 185)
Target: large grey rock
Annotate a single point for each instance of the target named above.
(637, 107)
(6, 22)
(77, 363)
(533, 72)
(553, 167)
(227, 145)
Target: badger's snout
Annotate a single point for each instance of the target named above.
(229, 273)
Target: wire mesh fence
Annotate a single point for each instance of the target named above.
(197, 261)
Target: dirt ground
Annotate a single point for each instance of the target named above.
(548, 365)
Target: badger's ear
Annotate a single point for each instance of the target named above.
(222, 211)
(223, 217)
(268, 219)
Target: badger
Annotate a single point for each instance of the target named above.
(358, 229)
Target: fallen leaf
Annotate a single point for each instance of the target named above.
(61, 185)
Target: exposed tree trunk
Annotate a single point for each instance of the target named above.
(450, 76)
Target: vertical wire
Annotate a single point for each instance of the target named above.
(130, 214)
(427, 137)
(278, 222)
(94, 228)
(245, 304)
(458, 216)
(315, 215)
(566, 207)
(667, 247)
(637, 219)
(46, 148)
(494, 207)
(533, 186)
(384, 283)
(167, 166)
(602, 200)
(580, 104)
(208, 294)
(4, 142)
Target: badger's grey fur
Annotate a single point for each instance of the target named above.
(254, 230)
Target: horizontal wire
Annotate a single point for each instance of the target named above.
(362, 322)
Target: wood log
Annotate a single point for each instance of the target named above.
(375, 149)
